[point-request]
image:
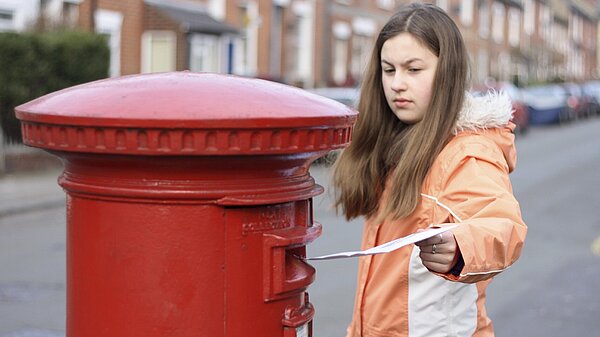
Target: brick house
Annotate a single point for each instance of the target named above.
(213, 36)
(159, 35)
(314, 43)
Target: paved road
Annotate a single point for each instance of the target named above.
(554, 289)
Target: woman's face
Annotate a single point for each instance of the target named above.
(408, 69)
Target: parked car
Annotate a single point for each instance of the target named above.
(548, 104)
(346, 95)
(592, 88)
(520, 109)
(583, 104)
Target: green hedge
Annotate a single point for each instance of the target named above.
(34, 64)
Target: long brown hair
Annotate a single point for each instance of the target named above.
(384, 147)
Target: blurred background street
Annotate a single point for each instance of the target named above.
(543, 53)
(552, 291)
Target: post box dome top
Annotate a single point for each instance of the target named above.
(183, 100)
(203, 107)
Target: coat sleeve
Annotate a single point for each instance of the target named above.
(477, 188)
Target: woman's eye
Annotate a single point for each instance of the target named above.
(414, 70)
(388, 70)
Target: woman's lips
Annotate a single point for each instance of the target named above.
(402, 102)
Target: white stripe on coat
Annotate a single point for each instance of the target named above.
(438, 307)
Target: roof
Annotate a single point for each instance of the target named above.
(561, 11)
(588, 10)
(193, 17)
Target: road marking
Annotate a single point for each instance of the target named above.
(596, 246)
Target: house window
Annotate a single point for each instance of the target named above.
(503, 66)
(443, 4)
(305, 16)
(482, 65)
(246, 62)
(305, 39)
(498, 22)
(466, 12)
(275, 44)
(529, 18)
(484, 20)
(216, 8)
(562, 40)
(158, 51)
(385, 4)
(514, 32)
(292, 43)
(577, 28)
(70, 13)
(546, 21)
(341, 33)
(361, 46)
(205, 53)
(6, 20)
(109, 23)
(340, 61)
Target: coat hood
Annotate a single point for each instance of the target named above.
(493, 110)
(490, 116)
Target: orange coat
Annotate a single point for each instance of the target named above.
(467, 184)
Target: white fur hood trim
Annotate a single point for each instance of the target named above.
(492, 110)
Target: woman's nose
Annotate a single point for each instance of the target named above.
(398, 83)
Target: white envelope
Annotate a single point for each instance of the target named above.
(388, 246)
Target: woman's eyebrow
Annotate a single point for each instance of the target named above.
(405, 63)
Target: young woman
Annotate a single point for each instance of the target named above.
(425, 153)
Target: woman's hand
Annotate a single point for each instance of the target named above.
(439, 253)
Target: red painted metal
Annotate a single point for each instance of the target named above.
(188, 201)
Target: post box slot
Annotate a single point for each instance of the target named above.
(285, 271)
(298, 274)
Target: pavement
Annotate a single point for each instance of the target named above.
(32, 254)
(24, 192)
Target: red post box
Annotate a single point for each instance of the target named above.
(189, 201)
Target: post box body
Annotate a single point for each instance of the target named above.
(188, 214)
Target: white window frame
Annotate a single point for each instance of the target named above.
(364, 30)
(514, 27)
(217, 9)
(7, 24)
(148, 38)
(306, 32)
(545, 21)
(529, 17)
(341, 33)
(209, 46)
(504, 62)
(443, 4)
(466, 12)
(109, 23)
(483, 62)
(361, 47)
(498, 17)
(484, 20)
(386, 4)
(246, 44)
(577, 28)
